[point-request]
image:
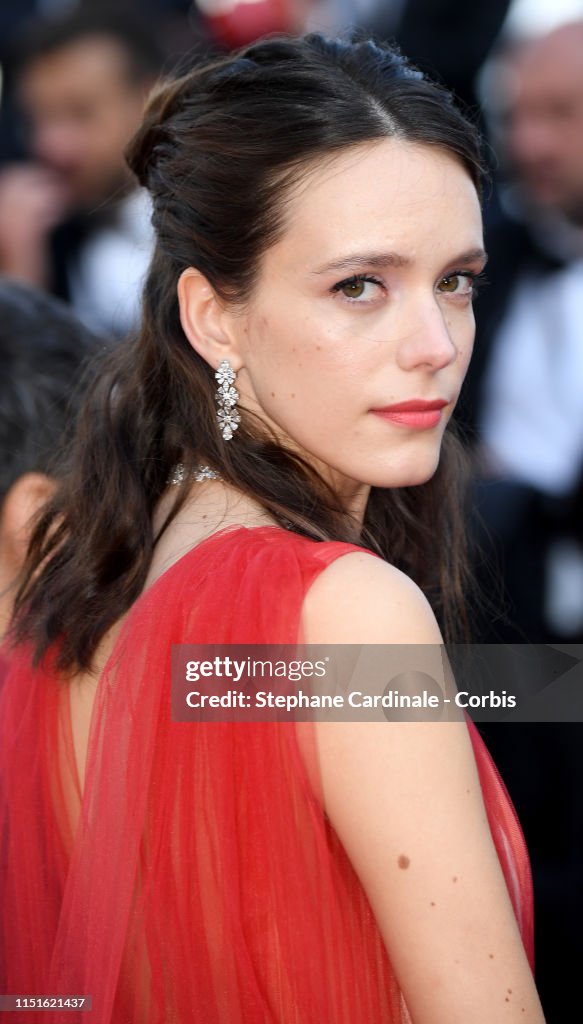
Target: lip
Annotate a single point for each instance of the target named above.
(416, 413)
(415, 405)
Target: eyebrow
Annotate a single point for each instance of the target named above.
(391, 259)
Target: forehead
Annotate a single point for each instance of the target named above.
(386, 194)
(92, 62)
(553, 67)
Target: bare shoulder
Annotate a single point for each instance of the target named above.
(405, 800)
(359, 598)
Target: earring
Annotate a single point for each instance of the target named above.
(226, 397)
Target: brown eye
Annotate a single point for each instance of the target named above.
(462, 284)
(353, 289)
(359, 287)
(450, 284)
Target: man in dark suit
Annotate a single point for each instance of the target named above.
(522, 405)
(71, 218)
(522, 401)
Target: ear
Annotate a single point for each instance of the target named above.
(19, 508)
(205, 320)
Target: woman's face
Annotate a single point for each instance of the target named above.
(364, 303)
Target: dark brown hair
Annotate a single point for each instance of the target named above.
(218, 150)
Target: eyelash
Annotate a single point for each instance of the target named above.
(477, 280)
(356, 279)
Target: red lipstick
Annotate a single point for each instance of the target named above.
(416, 413)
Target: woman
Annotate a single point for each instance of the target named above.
(241, 469)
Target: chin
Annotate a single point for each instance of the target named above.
(407, 475)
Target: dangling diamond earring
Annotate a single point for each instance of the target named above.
(226, 397)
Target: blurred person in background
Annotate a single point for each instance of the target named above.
(522, 402)
(43, 350)
(14, 14)
(71, 220)
(523, 395)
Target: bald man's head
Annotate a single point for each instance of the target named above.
(545, 126)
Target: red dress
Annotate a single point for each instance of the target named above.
(198, 879)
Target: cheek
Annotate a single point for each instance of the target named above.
(304, 350)
(277, 363)
(462, 328)
(304, 374)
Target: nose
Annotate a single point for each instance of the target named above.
(427, 342)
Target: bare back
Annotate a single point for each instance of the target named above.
(211, 506)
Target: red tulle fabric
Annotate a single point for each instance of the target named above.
(197, 877)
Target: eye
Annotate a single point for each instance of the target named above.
(358, 287)
(462, 283)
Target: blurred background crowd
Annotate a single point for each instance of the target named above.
(75, 241)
